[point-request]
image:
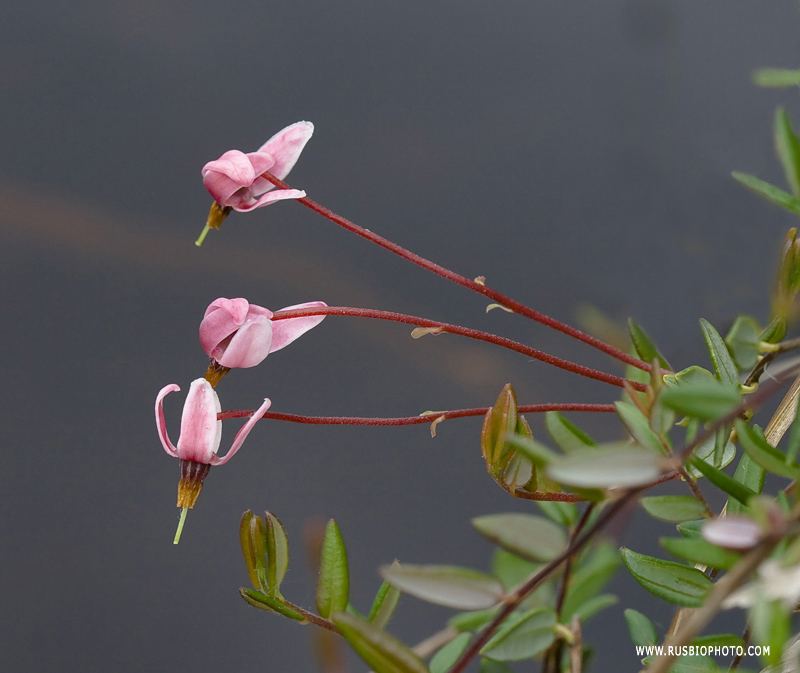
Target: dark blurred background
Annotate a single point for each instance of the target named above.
(573, 153)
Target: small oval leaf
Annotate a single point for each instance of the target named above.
(673, 508)
(673, 582)
(522, 638)
(700, 551)
(607, 466)
(444, 659)
(642, 631)
(277, 551)
(532, 537)
(333, 586)
(451, 586)
(382, 652)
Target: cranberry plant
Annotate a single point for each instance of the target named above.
(693, 426)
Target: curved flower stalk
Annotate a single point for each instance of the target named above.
(199, 439)
(235, 180)
(237, 334)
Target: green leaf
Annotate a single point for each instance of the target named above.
(706, 452)
(672, 582)
(718, 640)
(794, 439)
(749, 474)
(248, 550)
(531, 537)
(742, 340)
(673, 508)
(642, 631)
(610, 465)
(775, 331)
(277, 551)
(788, 149)
(594, 605)
(722, 481)
(771, 624)
(333, 586)
(720, 357)
(564, 513)
(689, 376)
(537, 453)
(472, 621)
(510, 569)
(700, 551)
(706, 401)
(761, 452)
(382, 652)
(565, 434)
(776, 77)
(522, 638)
(499, 423)
(444, 659)
(768, 191)
(645, 348)
(451, 586)
(691, 529)
(258, 535)
(695, 663)
(638, 426)
(385, 603)
(260, 600)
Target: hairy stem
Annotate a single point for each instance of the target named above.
(474, 285)
(462, 331)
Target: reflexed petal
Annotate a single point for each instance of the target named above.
(242, 434)
(286, 331)
(267, 199)
(200, 429)
(249, 345)
(161, 424)
(286, 145)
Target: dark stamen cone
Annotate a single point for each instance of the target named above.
(215, 372)
(191, 483)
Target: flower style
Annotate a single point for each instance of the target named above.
(234, 180)
(239, 334)
(200, 436)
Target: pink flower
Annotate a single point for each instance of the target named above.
(200, 429)
(234, 180)
(236, 333)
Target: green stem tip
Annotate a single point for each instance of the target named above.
(181, 521)
(202, 236)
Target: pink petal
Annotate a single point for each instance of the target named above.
(232, 172)
(286, 145)
(242, 434)
(161, 424)
(732, 532)
(267, 199)
(249, 345)
(286, 331)
(200, 429)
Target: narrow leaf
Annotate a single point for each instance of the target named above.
(642, 631)
(794, 439)
(472, 621)
(382, 652)
(638, 426)
(260, 600)
(768, 191)
(531, 537)
(673, 582)
(590, 578)
(610, 466)
(247, 547)
(277, 551)
(524, 638)
(645, 348)
(691, 529)
(749, 474)
(258, 535)
(443, 660)
(565, 434)
(451, 586)
(384, 605)
(333, 585)
(673, 508)
(720, 357)
(592, 606)
(499, 424)
(722, 481)
(788, 149)
(776, 77)
(763, 453)
(564, 513)
(700, 551)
